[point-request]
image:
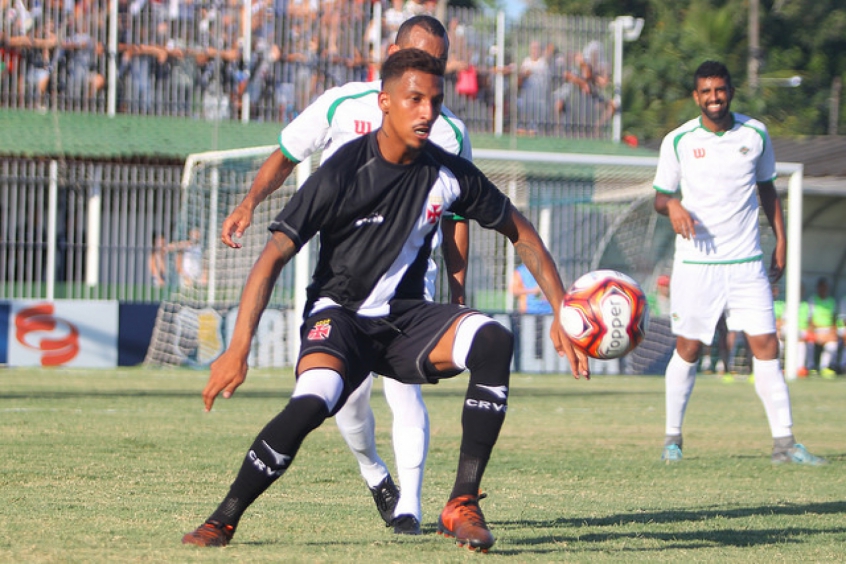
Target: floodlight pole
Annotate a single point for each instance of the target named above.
(625, 28)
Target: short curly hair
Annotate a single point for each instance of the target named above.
(410, 59)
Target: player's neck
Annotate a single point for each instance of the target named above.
(394, 150)
(719, 126)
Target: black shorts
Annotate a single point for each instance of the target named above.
(396, 346)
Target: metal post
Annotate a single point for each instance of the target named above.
(794, 270)
(499, 81)
(214, 177)
(52, 204)
(246, 54)
(112, 71)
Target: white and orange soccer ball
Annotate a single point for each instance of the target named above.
(605, 313)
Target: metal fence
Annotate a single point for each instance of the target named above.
(266, 60)
(83, 230)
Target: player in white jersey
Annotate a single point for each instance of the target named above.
(720, 163)
(338, 116)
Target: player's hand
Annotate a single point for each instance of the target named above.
(778, 262)
(683, 223)
(227, 373)
(235, 225)
(577, 357)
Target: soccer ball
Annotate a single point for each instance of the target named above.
(605, 313)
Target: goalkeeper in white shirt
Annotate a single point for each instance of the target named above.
(336, 117)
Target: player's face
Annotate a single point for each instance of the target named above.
(410, 106)
(713, 96)
(421, 39)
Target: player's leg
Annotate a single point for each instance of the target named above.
(697, 298)
(485, 348)
(358, 428)
(319, 388)
(826, 338)
(679, 380)
(751, 311)
(411, 445)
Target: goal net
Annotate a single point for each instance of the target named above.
(592, 211)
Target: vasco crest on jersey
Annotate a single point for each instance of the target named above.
(434, 209)
(320, 330)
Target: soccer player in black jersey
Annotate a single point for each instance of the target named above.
(376, 205)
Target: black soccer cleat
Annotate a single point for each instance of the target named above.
(405, 524)
(386, 497)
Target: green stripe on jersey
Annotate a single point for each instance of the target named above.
(330, 115)
(731, 261)
(458, 136)
(285, 152)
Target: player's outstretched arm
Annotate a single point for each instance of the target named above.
(230, 369)
(455, 246)
(538, 260)
(269, 178)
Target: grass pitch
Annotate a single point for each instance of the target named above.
(114, 466)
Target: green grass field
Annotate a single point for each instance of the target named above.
(114, 466)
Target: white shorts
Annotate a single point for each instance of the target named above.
(700, 293)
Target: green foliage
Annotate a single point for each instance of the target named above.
(797, 37)
(115, 465)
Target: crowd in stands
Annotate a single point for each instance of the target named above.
(188, 58)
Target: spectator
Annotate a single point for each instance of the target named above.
(804, 346)
(531, 304)
(823, 328)
(189, 262)
(566, 77)
(158, 261)
(594, 73)
(81, 52)
(533, 82)
(39, 63)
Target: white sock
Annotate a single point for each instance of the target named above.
(772, 389)
(358, 427)
(411, 442)
(679, 380)
(828, 355)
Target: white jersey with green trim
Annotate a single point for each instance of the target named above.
(717, 174)
(347, 112)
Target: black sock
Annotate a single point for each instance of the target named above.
(489, 362)
(270, 455)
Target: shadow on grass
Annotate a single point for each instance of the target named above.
(680, 539)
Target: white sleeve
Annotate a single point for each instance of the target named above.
(668, 173)
(766, 168)
(466, 148)
(310, 131)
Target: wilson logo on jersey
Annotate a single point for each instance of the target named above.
(320, 331)
(363, 127)
(434, 212)
(699, 153)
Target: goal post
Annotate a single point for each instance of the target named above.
(592, 211)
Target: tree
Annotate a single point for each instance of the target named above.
(798, 37)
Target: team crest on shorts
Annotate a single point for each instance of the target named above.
(320, 330)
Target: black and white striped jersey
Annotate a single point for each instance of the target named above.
(376, 221)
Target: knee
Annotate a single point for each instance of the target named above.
(493, 344)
